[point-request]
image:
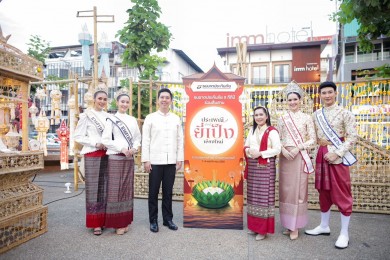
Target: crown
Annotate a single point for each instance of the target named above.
(293, 87)
(121, 92)
(101, 87)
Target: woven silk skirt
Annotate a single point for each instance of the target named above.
(261, 196)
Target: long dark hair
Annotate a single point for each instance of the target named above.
(268, 121)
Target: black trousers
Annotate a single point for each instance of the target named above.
(164, 174)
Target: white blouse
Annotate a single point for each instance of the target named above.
(113, 138)
(86, 132)
(254, 139)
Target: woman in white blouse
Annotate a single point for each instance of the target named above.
(122, 138)
(89, 133)
(261, 148)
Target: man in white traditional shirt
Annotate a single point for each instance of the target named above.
(162, 155)
(336, 134)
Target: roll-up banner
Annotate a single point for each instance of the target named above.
(213, 182)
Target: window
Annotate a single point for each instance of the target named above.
(281, 73)
(386, 50)
(349, 53)
(259, 74)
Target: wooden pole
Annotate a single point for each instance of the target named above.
(150, 96)
(139, 101)
(131, 95)
(76, 119)
(95, 49)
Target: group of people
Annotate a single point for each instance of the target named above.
(333, 129)
(109, 145)
(111, 141)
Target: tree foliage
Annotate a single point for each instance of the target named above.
(38, 48)
(143, 34)
(373, 17)
(125, 83)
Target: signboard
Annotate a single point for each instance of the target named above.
(213, 183)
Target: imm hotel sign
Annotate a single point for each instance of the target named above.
(281, 37)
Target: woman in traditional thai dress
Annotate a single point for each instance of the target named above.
(88, 133)
(297, 134)
(261, 148)
(122, 138)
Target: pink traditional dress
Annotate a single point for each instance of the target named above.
(261, 180)
(293, 177)
(332, 179)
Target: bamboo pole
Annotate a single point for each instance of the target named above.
(150, 96)
(139, 102)
(76, 152)
(131, 95)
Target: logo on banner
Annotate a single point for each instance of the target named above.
(213, 130)
(214, 86)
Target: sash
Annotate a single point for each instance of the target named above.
(124, 130)
(348, 158)
(95, 120)
(297, 138)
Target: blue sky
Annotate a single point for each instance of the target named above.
(198, 27)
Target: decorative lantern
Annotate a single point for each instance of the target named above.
(85, 39)
(33, 111)
(55, 95)
(42, 124)
(12, 139)
(63, 135)
(105, 49)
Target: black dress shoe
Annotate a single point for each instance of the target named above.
(154, 226)
(170, 225)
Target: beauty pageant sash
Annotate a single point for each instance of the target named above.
(297, 138)
(124, 130)
(95, 120)
(348, 158)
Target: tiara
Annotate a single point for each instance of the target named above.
(121, 92)
(101, 87)
(293, 87)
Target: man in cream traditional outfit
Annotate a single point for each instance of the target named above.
(162, 155)
(336, 134)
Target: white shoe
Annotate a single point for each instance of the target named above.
(342, 242)
(250, 232)
(259, 237)
(318, 231)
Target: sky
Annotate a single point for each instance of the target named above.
(199, 27)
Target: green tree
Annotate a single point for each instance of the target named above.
(38, 48)
(143, 34)
(373, 17)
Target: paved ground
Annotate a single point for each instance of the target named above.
(67, 238)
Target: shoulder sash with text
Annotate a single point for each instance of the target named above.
(348, 158)
(124, 130)
(95, 120)
(297, 138)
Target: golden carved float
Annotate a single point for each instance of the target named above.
(22, 215)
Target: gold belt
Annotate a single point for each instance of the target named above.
(323, 142)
